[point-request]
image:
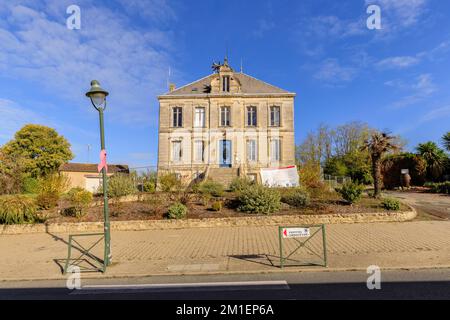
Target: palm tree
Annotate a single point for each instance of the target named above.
(378, 144)
(435, 158)
(446, 141)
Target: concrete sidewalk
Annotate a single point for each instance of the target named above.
(423, 244)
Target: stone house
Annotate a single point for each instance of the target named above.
(225, 125)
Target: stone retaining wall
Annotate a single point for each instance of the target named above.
(212, 222)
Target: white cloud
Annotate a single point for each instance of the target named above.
(132, 64)
(13, 117)
(398, 62)
(439, 113)
(422, 87)
(332, 72)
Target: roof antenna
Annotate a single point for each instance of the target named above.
(168, 77)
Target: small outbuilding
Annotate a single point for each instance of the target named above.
(86, 175)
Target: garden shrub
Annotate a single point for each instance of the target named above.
(259, 199)
(296, 198)
(212, 188)
(239, 184)
(80, 199)
(120, 185)
(217, 206)
(17, 209)
(177, 211)
(51, 188)
(30, 185)
(149, 186)
(169, 182)
(351, 192)
(391, 204)
(442, 187)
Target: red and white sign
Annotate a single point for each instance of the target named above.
(296, 233)
(280, 177)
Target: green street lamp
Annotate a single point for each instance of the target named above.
(98, 100)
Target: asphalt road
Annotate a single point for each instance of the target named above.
(401, 284)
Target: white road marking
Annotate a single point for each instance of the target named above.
(168, 287)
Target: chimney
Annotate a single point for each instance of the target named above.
(172, 87)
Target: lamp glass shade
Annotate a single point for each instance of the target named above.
(98, 99)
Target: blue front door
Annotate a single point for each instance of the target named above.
(225, 153)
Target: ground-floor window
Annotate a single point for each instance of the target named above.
(199, 148)
(176, 151)
(251, 150)
(275, 150)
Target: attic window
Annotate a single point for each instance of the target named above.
(226, 83)
(194, 89)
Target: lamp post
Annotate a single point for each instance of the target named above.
(98, 100)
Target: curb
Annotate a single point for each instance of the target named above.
(400, 216)
(216, 273)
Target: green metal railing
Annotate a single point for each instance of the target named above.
(86, 255)
(304, 244)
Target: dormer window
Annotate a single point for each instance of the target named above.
(226, 83)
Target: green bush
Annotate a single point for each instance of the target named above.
(17, 209)
(442, 187)
(239, 184)
(259, 199)
(212, 188)
(51, 188)
(391, 204)
(30, 185)
(80, 199)
(149, 186)
(120, 185)
(296, 198)
(217, 206)
(169, 182)
(351, 192)
(177, 211)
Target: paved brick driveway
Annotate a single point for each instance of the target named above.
(436, 205)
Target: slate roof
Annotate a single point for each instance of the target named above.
(249, 85)
(92, 167)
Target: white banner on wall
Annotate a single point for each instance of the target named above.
(280, 177)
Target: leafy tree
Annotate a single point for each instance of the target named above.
(42, 149)
(12, 174)
(435, 158)
(446, 141)
(378, 145)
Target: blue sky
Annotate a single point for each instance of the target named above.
(396, 78)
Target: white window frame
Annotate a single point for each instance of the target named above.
(199, 117)
(177, 117)
(252, 116)
(175, 157)
(252, 150)
(199, 156)
(276, 120)
(275, 150)
(225, 116)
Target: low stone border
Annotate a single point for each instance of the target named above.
(275, 220)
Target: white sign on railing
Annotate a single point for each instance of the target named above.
(296, 233)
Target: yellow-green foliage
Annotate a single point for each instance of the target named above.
(169, 182)
(177, 211)
(17, 209)
(217, 206)
(80, 199)
(51, 188)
